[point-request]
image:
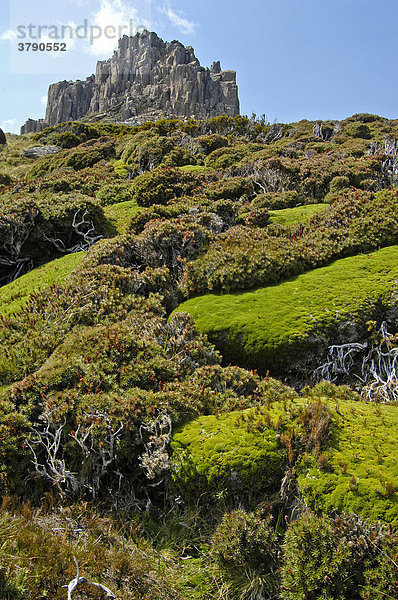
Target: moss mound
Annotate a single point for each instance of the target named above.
(272, 328)
(120, 214)
(361, 475)
(298, 214)
(221, 454)
(15, 295)
(337, 446)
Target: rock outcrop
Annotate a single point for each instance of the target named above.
(145, 79)
(40, 151)
(34, 126)
(2, 137)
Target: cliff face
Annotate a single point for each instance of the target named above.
(146, 78)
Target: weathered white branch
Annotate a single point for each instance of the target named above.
(374, 364)
(155, 458)
(82, 581)
(87, 233)
(54, 468)
(99, 458)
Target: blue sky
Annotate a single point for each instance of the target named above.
(295, 59)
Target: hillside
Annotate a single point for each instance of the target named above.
(198, 345)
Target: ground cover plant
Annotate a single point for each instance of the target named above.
(285, 327)
(15, 295)
(163, 452)
(299, 214)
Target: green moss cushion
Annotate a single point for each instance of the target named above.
(218, 454)
(15, 295)
(277, 326)
(343, 452)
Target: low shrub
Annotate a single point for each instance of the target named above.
(335, 559)
(163, 184)
(85, 155)
(232, 188)
(223, 455)
(113, 193)
(246, 548)
(277, 200)
(258, 217)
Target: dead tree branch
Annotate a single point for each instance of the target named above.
(155, 458)
(97, 457)
(49, 439)
(84, 227)
(373, 364)
(82, 581)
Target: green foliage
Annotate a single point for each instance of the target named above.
(3, 139)
(339, 183)
(146, 150)
(13, 163)
(121, 214)
(277, 200)
(232, 188)
(358, 130)
(209, 143)
(93, 348)
(194, 169)
(361, 477)
(246, 548)
(179, 157)
(74, 133)
(297, 317)
(87, 181)
(85, 155)
(245, 539)
(258, 217)
(171, 243)
(161, 185)
(115, 192)
(15, 295)
(299, 214)
(88, 354)
(222, 455)
(226, 156)
(245, 258)
(328, 558)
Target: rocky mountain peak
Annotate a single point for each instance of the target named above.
(145, 79)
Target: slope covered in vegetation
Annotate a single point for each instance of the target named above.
(149, 451)
(285, 327)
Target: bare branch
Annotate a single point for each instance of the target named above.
(82, 581)
(374, 364)
(97, 458)
(53, 468)
(83, 227)
(155, 458)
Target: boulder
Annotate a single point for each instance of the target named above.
(39, 151)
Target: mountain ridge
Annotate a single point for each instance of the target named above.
(145, 79)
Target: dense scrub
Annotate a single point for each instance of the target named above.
(164, 470)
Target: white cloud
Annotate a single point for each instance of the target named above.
(178, 20)
(9, 125)
(114, 19)
(8, 35)
(44, 100)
